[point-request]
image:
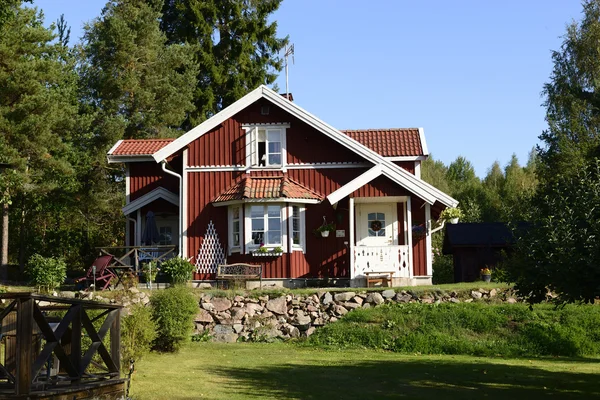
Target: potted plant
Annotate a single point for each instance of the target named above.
(325, 229)
(451, 214)
(149, 272)
(486, 274)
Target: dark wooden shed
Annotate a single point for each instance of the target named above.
(475, 246)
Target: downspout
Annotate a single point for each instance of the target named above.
(168, 171)
(438, 228)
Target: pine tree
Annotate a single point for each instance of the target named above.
(138, 85)
(38, 107)
(235, 45)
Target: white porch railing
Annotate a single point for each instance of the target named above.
(382, 258)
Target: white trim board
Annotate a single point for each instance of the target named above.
(128, 158)
(405, 179)
(158, 193)
(273, 200)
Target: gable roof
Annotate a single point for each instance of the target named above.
(268, 188)
(398, 142)
(397, 174)
(158, 193)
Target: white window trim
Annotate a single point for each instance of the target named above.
(232, 248)
(302, 211)
(251, 134)
(249, 246)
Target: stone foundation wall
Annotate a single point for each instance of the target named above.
(266, 318)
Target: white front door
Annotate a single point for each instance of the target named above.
(376, 224)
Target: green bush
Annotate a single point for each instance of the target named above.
(138, 331)
(510, 330)
(443, 269)
(178, 270)
(46, 273)
(173, 311)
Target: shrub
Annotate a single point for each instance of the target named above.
(173, 312)
(138, 331)
(46, 273)
(178, 270)
(443, 269)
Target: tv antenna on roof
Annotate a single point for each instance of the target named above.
(289, 51)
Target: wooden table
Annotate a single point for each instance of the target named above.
(379, 276)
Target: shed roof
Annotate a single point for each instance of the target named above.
(397, 142)
(480, 234)
(138, 147)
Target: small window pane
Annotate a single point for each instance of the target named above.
(274, 135)
(256, 211)
(274, 237)
(235, 212)
(274, 224)
(381, 216)
(261, 135)
(274, 211)
(372, 216)
(274, 159)
(236, 233)
(258, 224)
(274, 147)
(257, 238)
(296, 237)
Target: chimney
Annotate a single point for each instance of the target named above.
(288, 96)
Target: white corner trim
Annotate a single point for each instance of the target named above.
(114, 147)
(409, 232)
(183, 224)
(127, 185)
(351, 237)
(423, 142)
(418, 169)
(354, 184)
(158, 193)
(428, 255)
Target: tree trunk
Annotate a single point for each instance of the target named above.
(4, 255)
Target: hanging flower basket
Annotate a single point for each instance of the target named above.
(325, 233)
(325, 228)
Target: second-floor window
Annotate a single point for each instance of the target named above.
(266, 146)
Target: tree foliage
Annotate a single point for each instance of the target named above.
(235, 44)
(560, 252)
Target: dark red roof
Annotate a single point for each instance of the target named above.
(132, 147)
(390, 142)
(267, 187)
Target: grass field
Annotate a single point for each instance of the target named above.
(286, 371)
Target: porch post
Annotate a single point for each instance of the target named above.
(409, 234)
(428, 239)
(351, 236)
(138, 228)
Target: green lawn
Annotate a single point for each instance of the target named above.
(285, 371)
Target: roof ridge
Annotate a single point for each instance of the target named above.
(379, 129)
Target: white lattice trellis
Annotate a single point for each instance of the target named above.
(210, 254)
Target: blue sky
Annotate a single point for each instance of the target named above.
(470, 72)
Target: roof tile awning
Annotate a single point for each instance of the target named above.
(136, 147)
(268, 188)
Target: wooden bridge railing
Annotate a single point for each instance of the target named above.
(43, 340)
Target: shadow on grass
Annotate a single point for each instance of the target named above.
(411, 379)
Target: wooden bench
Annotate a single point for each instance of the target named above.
(239, 271)
(379, 276)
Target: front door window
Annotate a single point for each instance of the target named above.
(375, 224)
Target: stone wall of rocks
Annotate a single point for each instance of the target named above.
(290, 316)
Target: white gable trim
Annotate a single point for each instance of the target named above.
(354, 184)
(158, 193)
(115, 147)
(423, 142)
(404, 178)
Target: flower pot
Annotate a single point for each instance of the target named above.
(325, 233)
(486, 277)
(454, 221)
(267, 254)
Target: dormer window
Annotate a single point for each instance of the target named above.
(265, 146)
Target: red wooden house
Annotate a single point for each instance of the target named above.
(266, 173)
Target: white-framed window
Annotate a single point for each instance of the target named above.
(235, 228)
(297, 229)
(266, 225)
(265, 146)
